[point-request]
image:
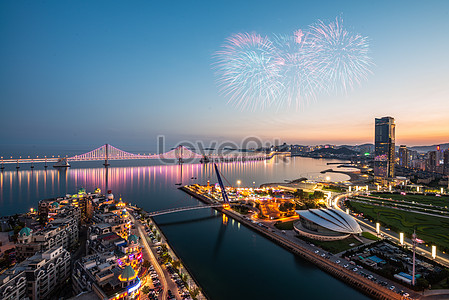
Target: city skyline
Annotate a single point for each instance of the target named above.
(86, 74)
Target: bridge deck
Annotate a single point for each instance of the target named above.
(179, 209)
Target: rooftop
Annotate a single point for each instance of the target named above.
(331, 219)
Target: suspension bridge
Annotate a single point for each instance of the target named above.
(108, 152)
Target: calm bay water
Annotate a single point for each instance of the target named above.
(229, 260)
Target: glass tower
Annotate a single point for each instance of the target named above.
(384, 142)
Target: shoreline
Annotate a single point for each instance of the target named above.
(175, 256)
(360, 283)
(194, 283)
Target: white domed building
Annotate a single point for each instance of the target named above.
(326, 224)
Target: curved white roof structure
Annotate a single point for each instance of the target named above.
(332, 219)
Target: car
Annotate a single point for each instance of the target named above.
(391, 287)
(337, 261)
(323, 255)
(317, 251)
(355, 269)
(346, 265)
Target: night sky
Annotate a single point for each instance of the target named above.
(86, 73)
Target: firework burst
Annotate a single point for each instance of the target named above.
(342, 57)
(291, 70)
(247, 70)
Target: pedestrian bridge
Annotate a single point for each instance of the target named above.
(180, 209)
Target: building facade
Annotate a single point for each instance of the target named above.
(36, 277)
(384, 148)
(446, 162)
(107, 277)
(59, 233)
(404, 156)
(13, 284)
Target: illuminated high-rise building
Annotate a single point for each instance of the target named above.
(431, 162)
(404, 156)
(384, 143)
(446, 162)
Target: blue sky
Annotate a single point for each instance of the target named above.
(122, 72)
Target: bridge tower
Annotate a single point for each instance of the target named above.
(226, 203)
(178, 154)
(106, 155)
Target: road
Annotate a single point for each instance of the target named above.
(149, 255)
(289, 237)
(441, 257)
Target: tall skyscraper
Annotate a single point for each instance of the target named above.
(431, 162)
(404, 156)
(384, 143)
(446, 162)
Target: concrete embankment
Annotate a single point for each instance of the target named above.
(353, 279)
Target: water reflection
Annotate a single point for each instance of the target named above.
(22, 189)
(230, 261)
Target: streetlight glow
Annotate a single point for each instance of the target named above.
(401, 238)
(378, 227)
(434, 251)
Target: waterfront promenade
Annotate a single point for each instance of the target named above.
(355, 280)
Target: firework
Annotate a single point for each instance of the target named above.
(247, 70)
(290, 70)
(297, 76)
(342, 56)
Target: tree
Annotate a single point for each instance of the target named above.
(146, 264)
(299, 193)
(146, 289)
(195, 292)
(176, 264)
(286, 206)
(317, 195)
(421, 283)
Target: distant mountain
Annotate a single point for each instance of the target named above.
(429, 148)
(339, 151)
(357, 148)
(422, 149)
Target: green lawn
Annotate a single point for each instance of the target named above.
(434, 200)
(369, 236)
(285, 225)
(240, 209)
(428, 228)
(335, 246)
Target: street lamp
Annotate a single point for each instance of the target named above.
(434, 252)
(238, 182)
